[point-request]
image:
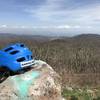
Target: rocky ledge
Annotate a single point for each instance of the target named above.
(39, 83)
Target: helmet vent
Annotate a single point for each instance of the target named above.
(20, 59)
(14, 52)
(8, 49)
(22, 45)
(31, 57)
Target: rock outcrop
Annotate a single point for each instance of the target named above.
(39, 83)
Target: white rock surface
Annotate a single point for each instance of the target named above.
(40, 83)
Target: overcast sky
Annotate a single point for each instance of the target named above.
(53, 17)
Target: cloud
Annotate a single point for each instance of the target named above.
(68, 27)
(3, 26)
(67, 16)
(54, 12)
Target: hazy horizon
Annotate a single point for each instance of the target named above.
(50, 35)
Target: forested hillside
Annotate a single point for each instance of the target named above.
(77, 59)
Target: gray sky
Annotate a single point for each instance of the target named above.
(50, 17)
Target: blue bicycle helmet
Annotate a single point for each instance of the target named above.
(16, 57)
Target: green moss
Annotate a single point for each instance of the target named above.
(75, 94)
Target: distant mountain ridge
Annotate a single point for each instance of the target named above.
(87, 36)
(41, 38)
(45, 36)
